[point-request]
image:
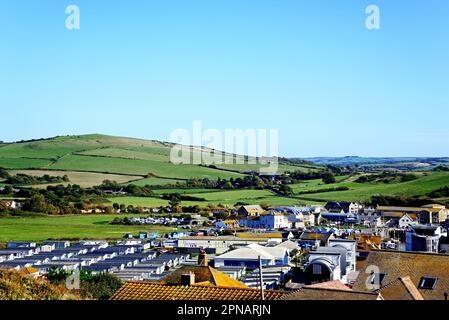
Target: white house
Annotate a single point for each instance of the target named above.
(331, 263)
(407, 220)
(220, 244)
(249, 257)
(273, 220)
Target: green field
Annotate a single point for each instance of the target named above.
(364, 191)
(115, 155)
(228, 198)
(155, 182)
(68, 227)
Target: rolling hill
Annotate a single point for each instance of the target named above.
(90, 159)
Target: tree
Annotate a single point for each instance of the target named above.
(286, 190)
(8, 190)
(174, 200)
(328, 178)
(57, 275)
(99, 286)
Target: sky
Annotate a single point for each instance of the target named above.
(310, 69)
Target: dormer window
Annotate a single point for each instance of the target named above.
(427, 283)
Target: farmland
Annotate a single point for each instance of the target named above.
(227, 198)
(68, 227)
(426, 183)
(88, 160)
(84, 179)
(108, 155)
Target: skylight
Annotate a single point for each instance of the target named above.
(377, 278)
(427, 283)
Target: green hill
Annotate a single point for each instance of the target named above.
(101, 157)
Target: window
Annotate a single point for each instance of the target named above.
(316, 269)
(427, 283)
(377, 278)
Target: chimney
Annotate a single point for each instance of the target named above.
(203, 260)
(188, 279)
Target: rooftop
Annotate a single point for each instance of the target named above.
(318, 293)
(398, 264)
(144, 290)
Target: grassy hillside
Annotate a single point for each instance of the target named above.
(106, 155)
(425, 183)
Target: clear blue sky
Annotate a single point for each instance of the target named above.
(309, 68)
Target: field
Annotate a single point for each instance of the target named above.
(426, 183)
(68, 227)
(84, 179)
(106, 155)
(228, 198)
(88, 160)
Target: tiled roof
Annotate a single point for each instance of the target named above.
(29, 270)
(401, 289)
(336, 284)
(143, 290)
(396, 264)
(203, 274)
(266, 235)
(408, 209)
(309, 293)
(314, 236)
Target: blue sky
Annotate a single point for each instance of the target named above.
(308, 68)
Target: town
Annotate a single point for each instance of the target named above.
(339, 251)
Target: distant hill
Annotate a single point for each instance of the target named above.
(96, 157)
(400, 163)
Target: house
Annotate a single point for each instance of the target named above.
(343, 207)
(148, 235)
(369, 218)
(20, 244)
(334, 262)
(200, 282)
(221, 243)
(289, 245)
(443, 244)
(350, 246)
(57, 244)
(250, 211)
(434, 214)
(47, 247)
(249, 257)
(309, 239)
(319, 293)
(397, 274)
(226, 224)
(144, 290)
(428, 214)
(407, 220)
(300, 217)
(366, 242)
(340, 217)
(423, 238)
(273, 220)
(273, 277)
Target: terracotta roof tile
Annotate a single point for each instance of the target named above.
(144, 290)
